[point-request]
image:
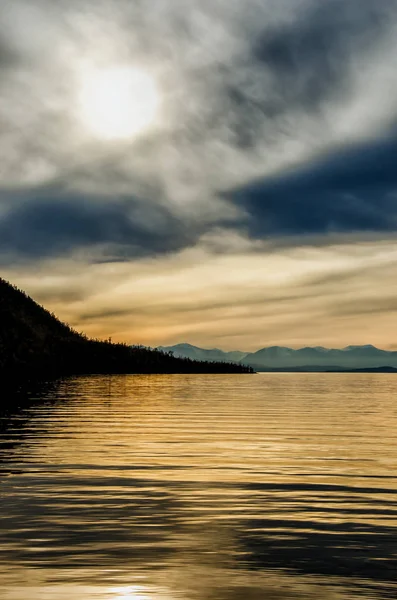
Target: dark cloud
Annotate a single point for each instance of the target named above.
(8, 57)
(371, 306)
(253, 83)
(303, 65)
(312, 56)
(351, 191)
(50, 226)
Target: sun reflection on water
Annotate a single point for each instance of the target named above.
(130, 593)
(138, 592)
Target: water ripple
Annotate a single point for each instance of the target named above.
(157, 487)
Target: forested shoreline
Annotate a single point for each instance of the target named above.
(34, 343)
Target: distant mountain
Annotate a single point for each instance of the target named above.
(34, 343)
(189, 351)
(283, 358)
(351, 357)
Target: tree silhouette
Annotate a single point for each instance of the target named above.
(35, 344)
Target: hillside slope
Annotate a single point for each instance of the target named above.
(34, 343)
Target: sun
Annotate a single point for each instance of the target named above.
(118, 102)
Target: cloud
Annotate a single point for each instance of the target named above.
(246, 90)
(51, 225)
(314, 57)
(353, 190)
(271, 165)
(288, 296)
(8, 58)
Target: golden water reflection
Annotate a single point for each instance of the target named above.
(160, 487)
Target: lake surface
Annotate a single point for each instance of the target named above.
(273, 486)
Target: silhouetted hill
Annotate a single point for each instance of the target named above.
(34, 343)
(280, 358)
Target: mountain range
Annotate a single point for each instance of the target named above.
(282, 358)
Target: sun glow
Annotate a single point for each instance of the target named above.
(118, 102)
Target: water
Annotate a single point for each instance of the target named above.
(275, 486)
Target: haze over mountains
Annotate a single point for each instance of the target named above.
(307, 359)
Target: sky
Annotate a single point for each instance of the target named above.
(217, 172)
